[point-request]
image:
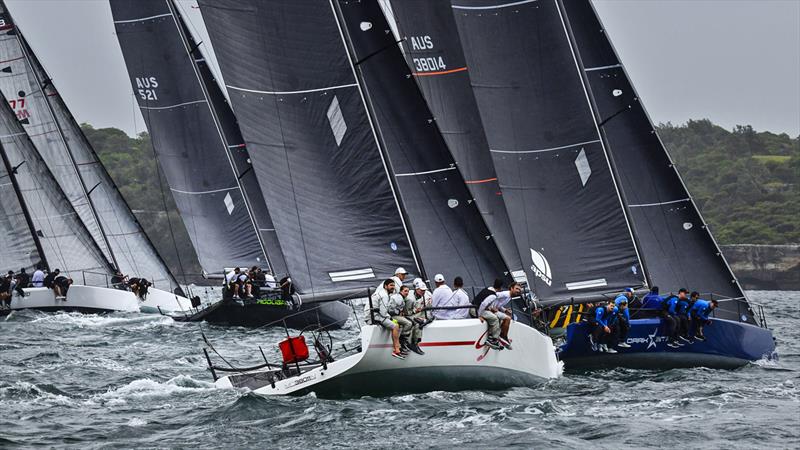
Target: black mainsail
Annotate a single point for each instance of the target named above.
(450, 235)
(677, 246)
(433, 52)
(197, 141)
(65, 243)
(299, 109)
(565, 209)
(73, 162)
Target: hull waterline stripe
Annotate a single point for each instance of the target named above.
(505, 5)
(412, 174)
(486, 180)
(547, 149)
(305, 91)
(143, 18)
(235, 188)
(660, 203)
(173, 106)
(613, 66)
(442, 72)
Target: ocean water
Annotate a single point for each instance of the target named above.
(71, 380)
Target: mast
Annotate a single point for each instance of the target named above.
(378, 139)
(25, 212)
(179, 23)
(42, 85)
(603, 139)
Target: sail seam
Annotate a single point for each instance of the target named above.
(141, 19)
(174, 106)
(547, 149)
(234, 188)
(304, 91)
(411, 174)
(505, 5)
(659, 203)
(11, 135)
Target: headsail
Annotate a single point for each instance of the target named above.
(65, 241)
(196, 138)
(433, 51)
(450, 235)
(568, 219)
(303, 120)
(72, 160)
(677, 246)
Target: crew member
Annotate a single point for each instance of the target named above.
(232, 282)
(397, 311)
(398, 277)
(50, 278)
(700, 312)
(601, 327)
(421, 299)
(23, 280)
(668, 313)
(60, 287)
(5, 291)
(652, 300)
(442, 297)
(37, 280)
(460, 298)
(622, 302)
(682, 315)
(118, 280)
(379, 313)
(245, 284)
(487, 291)
(493, 310)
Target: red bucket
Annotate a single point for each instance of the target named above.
(294, 349)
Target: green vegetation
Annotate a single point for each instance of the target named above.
(131, 163)
(747, 184)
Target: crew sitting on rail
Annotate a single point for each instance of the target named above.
(682, 315)
(622, 302)
(50, 279)
(398, 278)
(601, 324)
(23, 280)
(5, 290)
(487, 291)
(493, 310)
(700, 312)
(245, 284)
(119, 281)
(380, 301)
(668, 312)
(60, 287)
(416, 303)
(442, 296)
(397, 310)
(257, 281)
(231, 282)
(37, 280)
(652, 300)
(139, 286)
(460, 298)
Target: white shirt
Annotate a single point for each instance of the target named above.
(443, 296)
(461, 299)
(230, 276)
(269, 280)
(38, 278)
(499, 301)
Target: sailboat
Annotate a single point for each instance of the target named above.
(600, 205)
(349, 85)
(57, 137)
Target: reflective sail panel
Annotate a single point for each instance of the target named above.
(202, 158)
(66, 242)
(313, 151)
(678, 249)
(16, 233)
(450, 235)
(61, 142)
(433, 51)
(565, 210)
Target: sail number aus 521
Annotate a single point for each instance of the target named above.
(146, 88)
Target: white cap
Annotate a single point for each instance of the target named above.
(400, 271)
(439, 278)
(419, 284)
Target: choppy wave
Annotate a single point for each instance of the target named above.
(131, 380)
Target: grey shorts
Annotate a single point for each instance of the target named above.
(501, 315)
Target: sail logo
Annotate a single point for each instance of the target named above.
(541, 268)
(146, 88)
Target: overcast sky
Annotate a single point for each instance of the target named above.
(732, 61)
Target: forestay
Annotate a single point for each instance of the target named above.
(73, 162)
(197, 141)
(677, 246)
(65, 241)
(567, 216)
(303, 120)
(433, 52)
(450, 235)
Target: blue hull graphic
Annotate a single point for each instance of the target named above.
(728, 345)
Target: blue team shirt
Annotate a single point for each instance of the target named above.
(672, 304)
(621, 298)
(682, 307)
(652, 301)
(605, 317)
(701, 308)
